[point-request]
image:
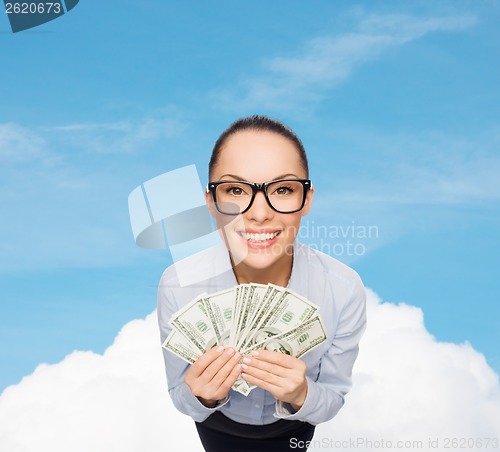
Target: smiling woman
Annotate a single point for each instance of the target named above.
(260, 236)
(259, 190)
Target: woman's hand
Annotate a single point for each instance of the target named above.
(211, 376)
(284, 376)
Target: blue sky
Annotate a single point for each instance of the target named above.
(397, 105)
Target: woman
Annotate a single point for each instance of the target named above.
(258, 193)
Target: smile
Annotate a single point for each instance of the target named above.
(258, 237)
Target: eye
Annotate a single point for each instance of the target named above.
(283, 190)
(235, 190)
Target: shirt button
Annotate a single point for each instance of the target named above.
(257, 405)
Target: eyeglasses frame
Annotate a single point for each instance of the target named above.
(257, 187)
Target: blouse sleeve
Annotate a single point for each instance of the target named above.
(176, 368)
(325, 396)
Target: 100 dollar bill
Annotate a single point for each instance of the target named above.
(181, 346)
(296, 342)
(288, 312)
(193, 321)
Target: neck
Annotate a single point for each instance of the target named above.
(278, 274)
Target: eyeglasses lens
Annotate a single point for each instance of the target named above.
(284, 196)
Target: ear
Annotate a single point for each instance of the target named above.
(210, 203)
(308, 203)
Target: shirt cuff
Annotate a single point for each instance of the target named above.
(222, 402)
(285, 411)
(196, 409)
(219, 403)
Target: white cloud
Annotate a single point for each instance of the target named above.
(59, 215)
(404, 183)
(21, 145)
(408, 386)
(326, 61)
(60, 205)
(428, 168)
(123, 136)
(89, 402)
(405, 28)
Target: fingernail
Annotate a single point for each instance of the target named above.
(236, 357)
(244, 375)
(219, 349)
(255, 353)
(247, 360)
(230, 351)
(244, 366)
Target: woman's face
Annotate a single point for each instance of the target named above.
(260, 237)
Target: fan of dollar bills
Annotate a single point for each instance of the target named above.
(246, 317)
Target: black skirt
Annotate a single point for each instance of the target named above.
(218, 433)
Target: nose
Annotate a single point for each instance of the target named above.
(260, 211)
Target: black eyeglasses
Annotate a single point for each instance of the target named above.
(234, 197)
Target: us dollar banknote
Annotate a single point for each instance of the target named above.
(246, 317)
(296, 342)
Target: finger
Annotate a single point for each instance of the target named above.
(218, 387)
(226, 383)
(264, 371)
(234, 375)
(264, 384)
(251, 363)
(219, 362)
(223, 373)
(292, 389)
(205, 360)
(280, 359)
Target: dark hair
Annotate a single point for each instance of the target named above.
(260, 123)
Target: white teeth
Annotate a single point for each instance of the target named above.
(260, 237)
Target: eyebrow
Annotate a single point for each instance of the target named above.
(282, 176)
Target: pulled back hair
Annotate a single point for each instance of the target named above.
(258, 123)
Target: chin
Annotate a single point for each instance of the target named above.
(259, 262)
(261, 259)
